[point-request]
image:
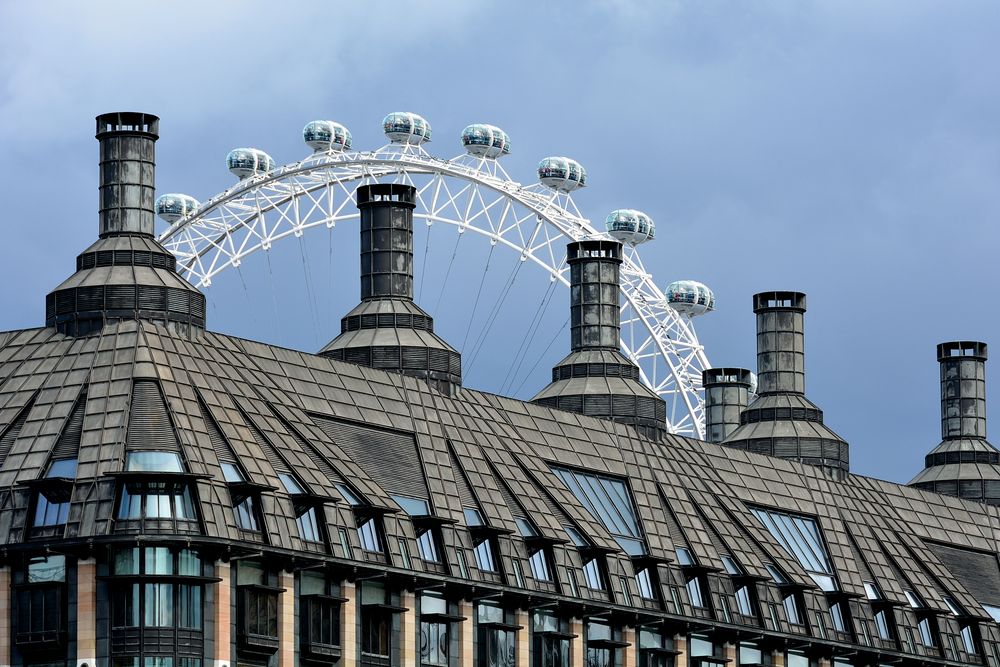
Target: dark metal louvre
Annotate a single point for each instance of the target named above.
(977, 571)
(389, 457)
(10, 435)
(149, 425)
(464, 489)
(516, 510)
(673, 525)
(221, 446)
(318, 459)
(68, 445)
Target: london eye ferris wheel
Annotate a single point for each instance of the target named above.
(471, 192)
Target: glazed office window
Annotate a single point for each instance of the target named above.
(884, 624)
(700, 646)
(749, 653)
(609, 500)
(497, 637)
(156, 500)
(793, 609)
(427, 545)
(376, 625)
(308, 525)
(744, 600)
(539, 562)
(485, 559)
(970, 639)
(246, 514)
(41, 615)
(655, 648)
(926, 632)
(600, 649)
(593, 574)
(369, 534)
(696, 592)
(644, 583)
(801, 537)
(153, 461)
(837, 610)
(51, 508)
(797, 659)
(156, 595)
(319, 617)
(434, 632)
(550, 640)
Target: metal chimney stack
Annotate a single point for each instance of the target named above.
(387, 330)
(965, 464)
(781, 421)
(128, 172)
(727, 392)
(596, 379)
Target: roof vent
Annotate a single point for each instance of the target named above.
(387, 330)
(596, 379)
(727, 392)
(781, 421)
(965, 464)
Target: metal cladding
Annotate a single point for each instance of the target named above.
(965, 464)
(127, 274)
(128, 172)
(596, 379)
(781, 421)
(727, 392)
(387, 330)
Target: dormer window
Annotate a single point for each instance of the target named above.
(155, 488)
(153, 461)
(593, 575)
(52, 501)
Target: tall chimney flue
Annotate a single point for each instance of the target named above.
(386, 240)
(781, 421)
(727, 392)
(963, 389)
(128, 172)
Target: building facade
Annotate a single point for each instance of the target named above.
(174, 497)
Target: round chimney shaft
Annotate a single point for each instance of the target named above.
(727, 392)
(963, 389)
(595, 313)
(128, 170)
(781, 366)
(386, 240)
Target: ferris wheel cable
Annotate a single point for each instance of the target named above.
(522, 351)
(274, 298)
(492, 318)
(423, 262)
(542, 356)
(310, 293)
(475, 304)
(447, 273)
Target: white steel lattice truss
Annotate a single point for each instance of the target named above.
(474, 194)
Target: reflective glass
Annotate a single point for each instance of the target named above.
(694, 592)
(993, 611)
(308, 526)
(540, 566)
(872, 591)
(882, 625)
(158, 610)
(837, 614)
(291, 484)
(684, 556)
(412, 506)
(776, 574)
(969, 640)
(62, 468)
(576, 537)
(231, 473)
(525, 528)
(472, 517)
(489, 612)
(610, 502)
(952, 606)
(732, 568)
(743, 601)
(484, 556)
(701, 647)
(434, 644)
(246, 514)
(800, 536)
(51, 568)
(912, 598)
(926, 635)
(369, 534)
(348, 495)
(592, 575)
(154, 462)
(644, 582)
(792, 614)
(427, 546)
(750, 654)
(188, 563)
(50, 512)
(159, 560)
(796, 659)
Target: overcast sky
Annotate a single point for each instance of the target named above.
(847, 150)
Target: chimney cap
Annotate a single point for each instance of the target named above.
(128, 122)
(399, 194)
(962, 349)
(770, 301)
(714, 377)
(594, 249)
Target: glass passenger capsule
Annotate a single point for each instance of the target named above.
(174, 206)
(403, 127)
(629, 226)
(485, 140)
(689, 297)
(244, 162)
(327, 135)
(562, 174)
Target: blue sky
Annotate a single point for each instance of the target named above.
(847, 150)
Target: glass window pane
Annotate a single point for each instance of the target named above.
(151, 461)
(291, 485)
(231, 473)
(412, 506)
(62, 468)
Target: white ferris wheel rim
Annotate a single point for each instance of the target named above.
(208, 233)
